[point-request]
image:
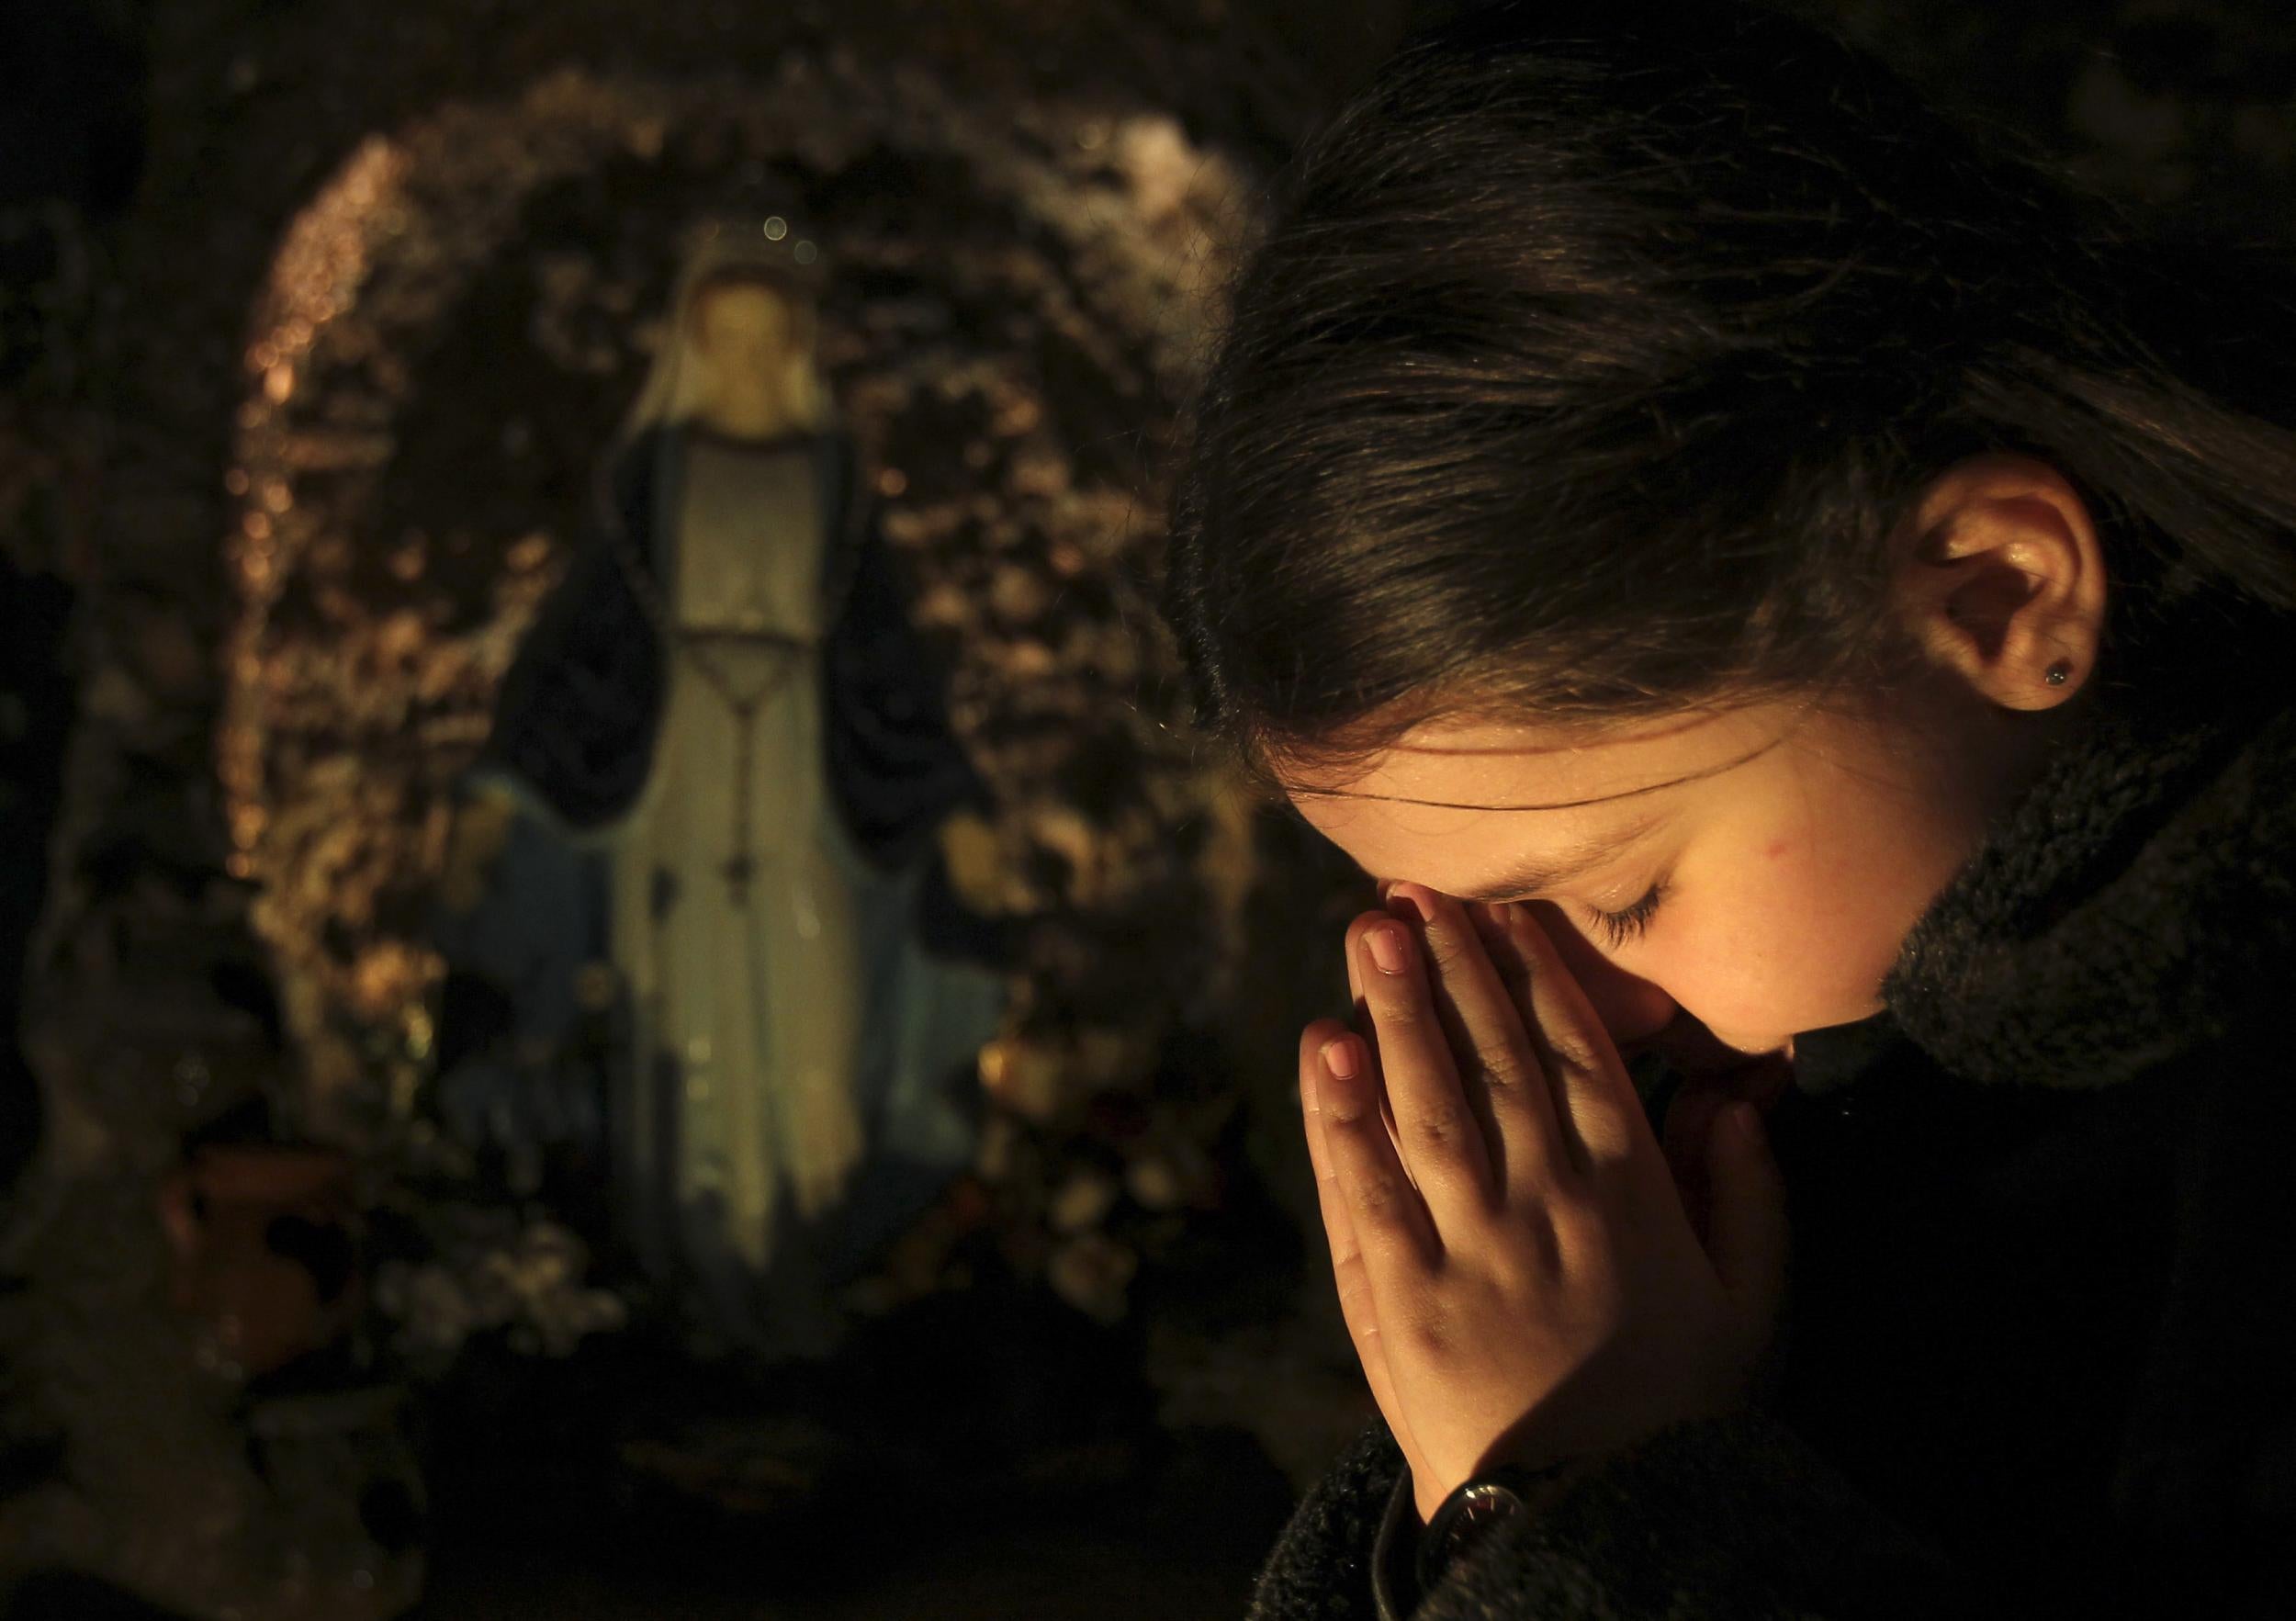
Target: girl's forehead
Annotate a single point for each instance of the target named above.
(1493, 766)
(1480, 808)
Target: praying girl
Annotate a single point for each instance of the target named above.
(1788, 599)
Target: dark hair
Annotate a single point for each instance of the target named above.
(1587, 362)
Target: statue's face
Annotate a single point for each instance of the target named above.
(749, 324)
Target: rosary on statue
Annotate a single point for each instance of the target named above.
(740, 866)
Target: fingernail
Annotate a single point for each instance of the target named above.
(1421, 906)
(1339, 1057)
(1387, 947)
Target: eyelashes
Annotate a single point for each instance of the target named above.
(1623, 928)
(1620, 929)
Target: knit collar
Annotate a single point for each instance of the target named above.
(2137, 895)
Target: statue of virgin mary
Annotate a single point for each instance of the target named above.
(725, 699)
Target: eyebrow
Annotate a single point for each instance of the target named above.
(1550, 871)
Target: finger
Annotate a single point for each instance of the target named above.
(1391, 1227)
(1355, 974)
(1510, 962)
(1352, 1280)
(1686, 1137)
(1601, 1117)
(1437, 1139)
(1687, 1131)
(1312, 1040)
(1506, 954)
(1747, 1238)
(1504, 1083)
(1362, 1016)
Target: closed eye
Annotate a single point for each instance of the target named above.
(1623, 927)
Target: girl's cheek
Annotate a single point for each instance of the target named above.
(1740, 966)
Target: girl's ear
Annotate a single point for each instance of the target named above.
(2000, 578)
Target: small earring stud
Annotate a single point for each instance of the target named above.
(2058, 673)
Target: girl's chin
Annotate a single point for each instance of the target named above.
(1694, 1050)
(1757, 1071)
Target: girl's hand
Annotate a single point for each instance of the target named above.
(1513, 1261)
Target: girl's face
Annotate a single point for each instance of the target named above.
(1758, 869)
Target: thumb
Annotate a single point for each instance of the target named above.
(1746, 1227)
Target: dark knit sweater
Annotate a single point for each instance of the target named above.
(2041, 1352)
